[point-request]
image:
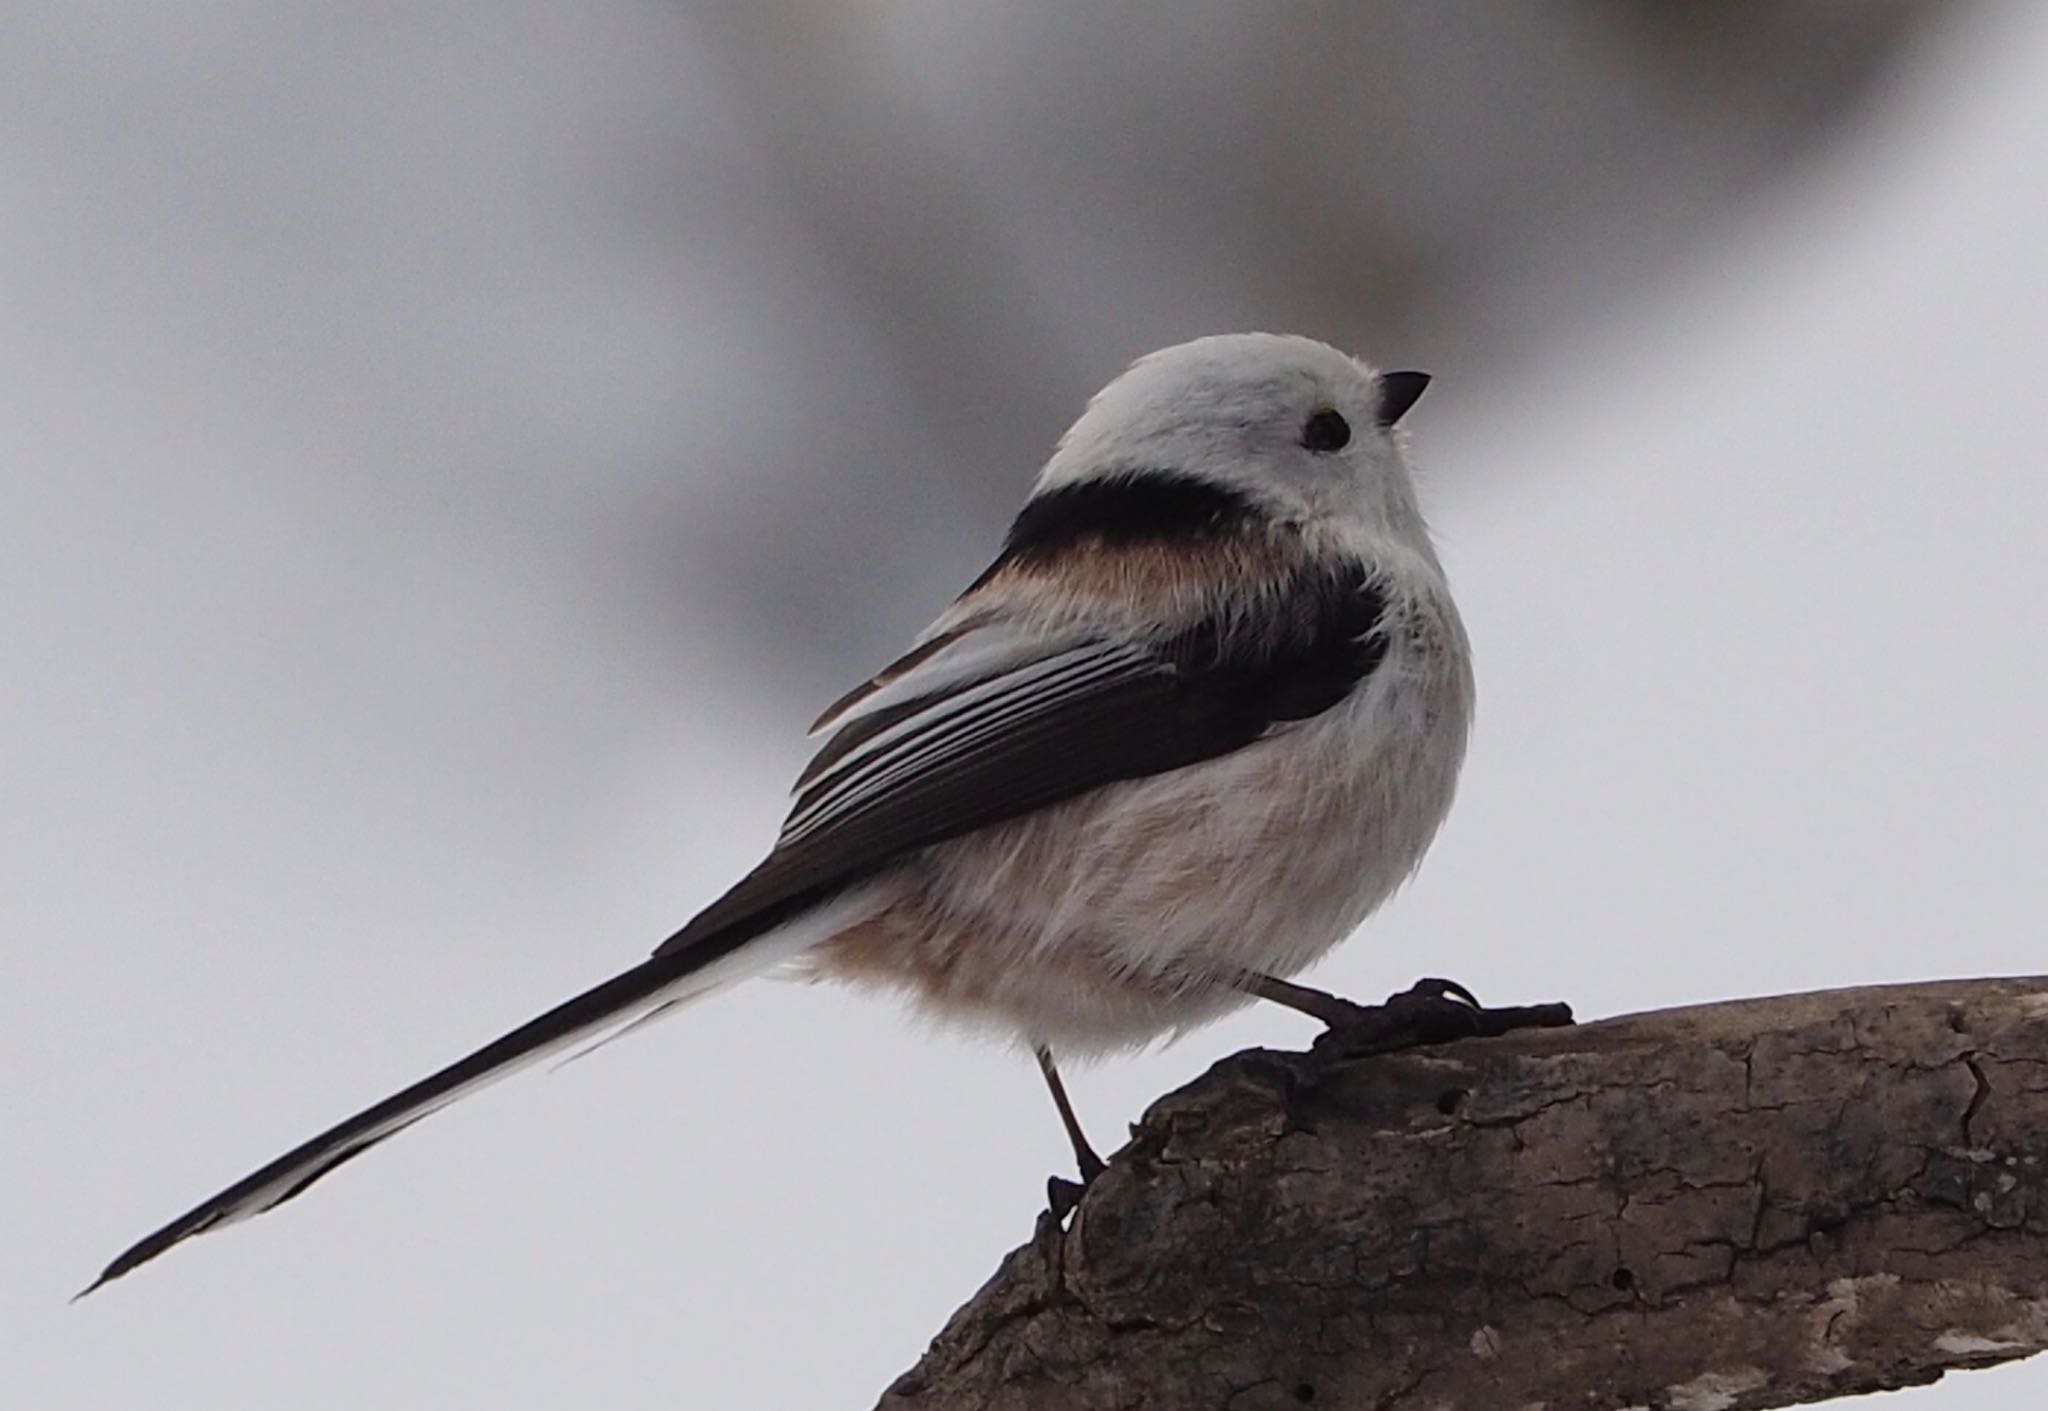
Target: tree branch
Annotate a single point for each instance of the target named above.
(1713, 1209)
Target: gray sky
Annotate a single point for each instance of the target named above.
(324, 762)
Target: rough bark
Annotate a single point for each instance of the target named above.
(1739, 1205)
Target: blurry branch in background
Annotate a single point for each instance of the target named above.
(1742, 1205)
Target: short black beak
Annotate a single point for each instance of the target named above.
(1398, 392)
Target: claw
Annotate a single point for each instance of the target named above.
(1445, 989)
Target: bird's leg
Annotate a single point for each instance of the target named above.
(1428, 1012)
(1061, 1193)
(1334, 1010)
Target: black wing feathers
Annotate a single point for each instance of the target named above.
(1317, 639)
(1203, 693)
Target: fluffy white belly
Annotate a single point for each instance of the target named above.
(1109, 920)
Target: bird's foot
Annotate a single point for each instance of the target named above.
(1428, 1012)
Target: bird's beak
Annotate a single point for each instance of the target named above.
(1398, 392)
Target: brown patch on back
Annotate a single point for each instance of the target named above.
(1143, 583)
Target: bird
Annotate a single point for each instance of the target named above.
(1202, 714)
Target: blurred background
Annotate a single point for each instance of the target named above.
(451, 451)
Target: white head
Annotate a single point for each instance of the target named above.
(1302, 429)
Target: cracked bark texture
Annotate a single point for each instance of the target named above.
(1739, 1205)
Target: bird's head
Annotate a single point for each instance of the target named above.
(1305, 432)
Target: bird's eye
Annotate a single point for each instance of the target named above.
(1327, 430)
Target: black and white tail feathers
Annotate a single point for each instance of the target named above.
(711, 952)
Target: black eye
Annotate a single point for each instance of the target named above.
(1327, 430)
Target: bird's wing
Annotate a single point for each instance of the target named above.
(993, 723)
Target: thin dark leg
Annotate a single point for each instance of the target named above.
(1333, 1010)
(1084, 1155)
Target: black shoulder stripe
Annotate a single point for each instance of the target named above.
(1136, 506)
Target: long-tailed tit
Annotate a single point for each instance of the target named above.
(1201, 716)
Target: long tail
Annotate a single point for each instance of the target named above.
(653, 985)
